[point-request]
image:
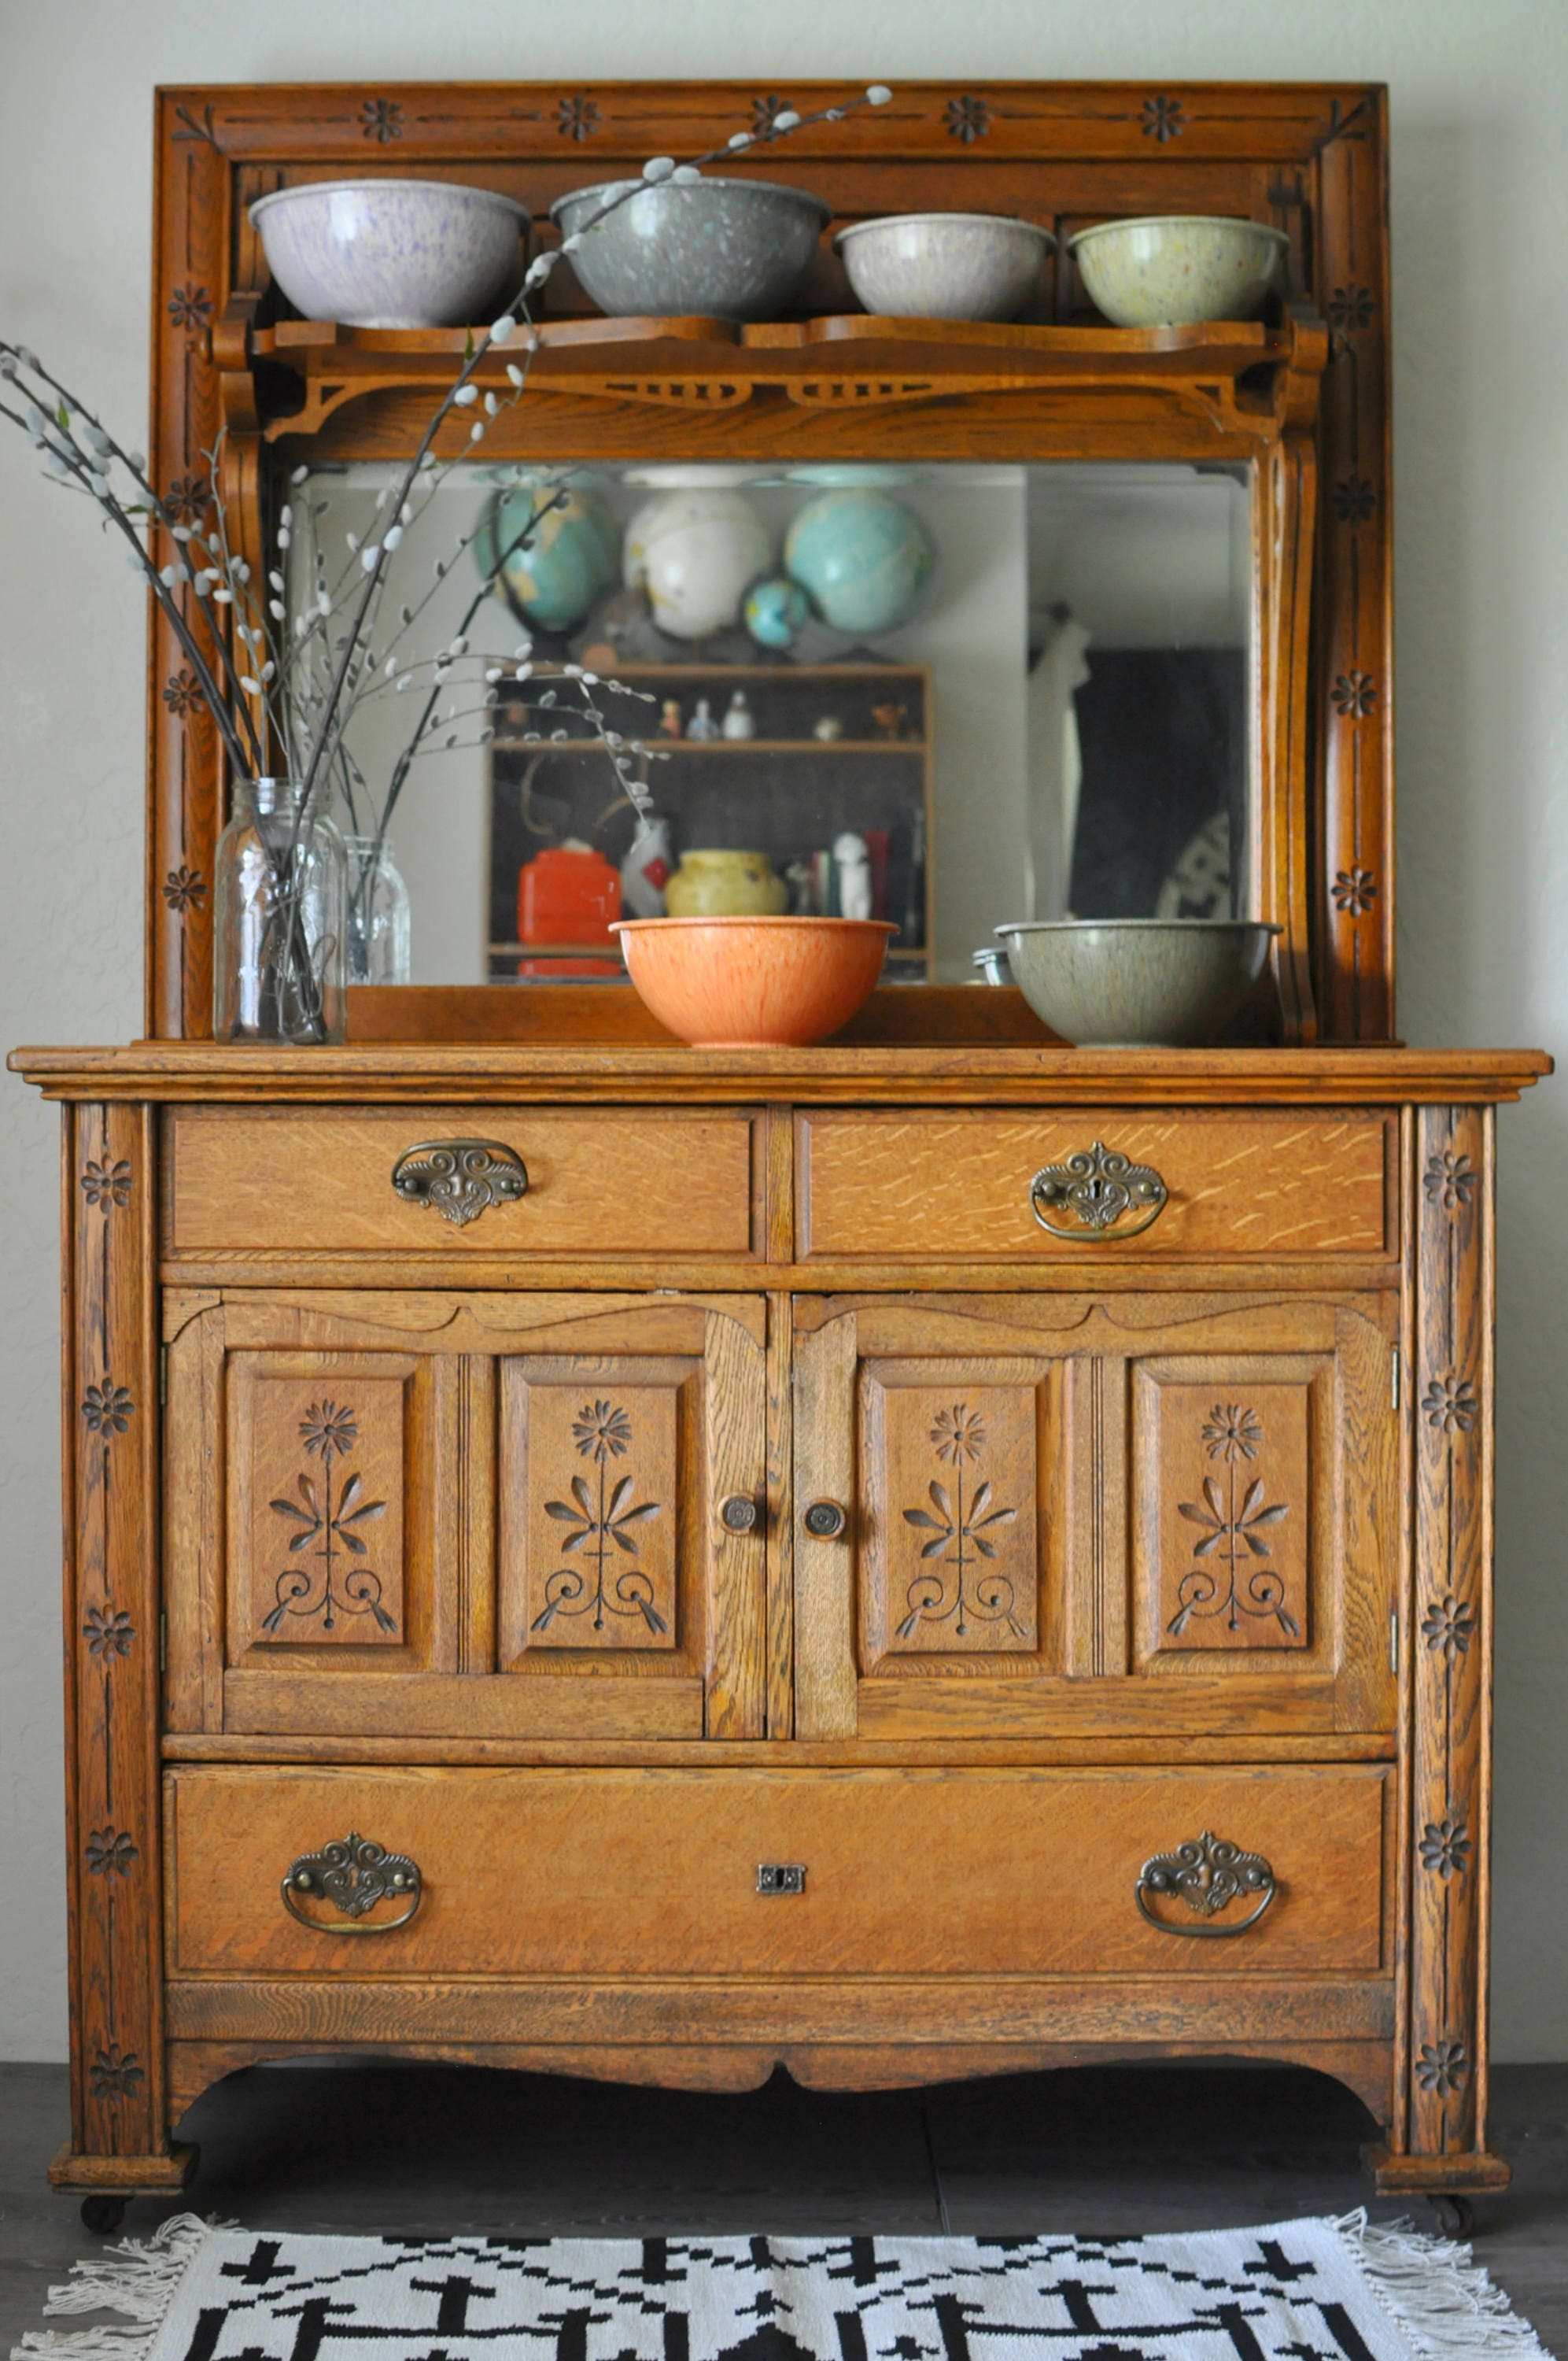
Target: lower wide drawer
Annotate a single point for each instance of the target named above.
(655, 1873)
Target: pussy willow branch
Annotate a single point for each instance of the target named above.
(61, 442)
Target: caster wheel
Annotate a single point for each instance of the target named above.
(103, 2214)
(1456, 2215)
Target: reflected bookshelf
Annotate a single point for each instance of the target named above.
(785, 762)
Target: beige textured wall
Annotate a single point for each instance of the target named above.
(1480, 204)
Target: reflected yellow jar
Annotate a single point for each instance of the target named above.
(719, 884)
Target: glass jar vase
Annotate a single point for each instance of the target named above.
(280, 920)
(377, 912)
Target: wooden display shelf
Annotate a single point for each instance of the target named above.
(657, 742)
(1233, 370)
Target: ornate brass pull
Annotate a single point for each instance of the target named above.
(739, 1514)
(825, 1521)
(1206, 1873)
(1086, 1196)
(460, 1177)
(353, 1874)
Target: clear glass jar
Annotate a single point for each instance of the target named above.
(280, 909)
(377, 912)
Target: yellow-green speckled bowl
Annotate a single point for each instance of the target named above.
(1176, 269)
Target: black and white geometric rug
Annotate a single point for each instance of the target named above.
(1310, 2290)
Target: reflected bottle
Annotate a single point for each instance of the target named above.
(280, 920)
(378, 949)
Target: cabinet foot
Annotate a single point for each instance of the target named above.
(103, 2216)
(122, 2176)
(1454, 2215)
(1434, 2176)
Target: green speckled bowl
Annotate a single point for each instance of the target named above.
(1137, 983)
(1175, 270)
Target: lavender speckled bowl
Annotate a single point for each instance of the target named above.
(393, 254)
(734, 249)
(944, 266)
(1136, 984)
(1176, 269)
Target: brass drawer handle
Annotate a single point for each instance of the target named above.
(1085, 1197)
(461, 1178)
(1207, 1872)
(354, 1874)
(739, 1514)
(825, 1521)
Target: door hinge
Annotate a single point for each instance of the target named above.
(162, 1641)
(1394, 1640)
(1394, 1375)
(163, 1377)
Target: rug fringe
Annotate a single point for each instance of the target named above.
(138, 2278)
(1438, 2295)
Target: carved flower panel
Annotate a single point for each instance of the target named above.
(1222, 1464)
(599, 1515)
(323, 1513)
(950, 1546)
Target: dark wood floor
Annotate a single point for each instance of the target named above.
(1114, 2150)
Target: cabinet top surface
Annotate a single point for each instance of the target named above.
(391, 1073)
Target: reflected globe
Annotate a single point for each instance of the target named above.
(863, 558)
(696, 553)
(556, 572)
(776, 612)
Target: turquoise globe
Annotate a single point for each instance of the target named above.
(556, 573)
(863, 558)
(776, 612)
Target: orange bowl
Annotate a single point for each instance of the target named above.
(753, 983)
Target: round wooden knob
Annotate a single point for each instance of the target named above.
(738, 1515)
(825, 1521)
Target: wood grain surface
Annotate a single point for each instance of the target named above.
(959, 1185)
(608, 1874)
(598, 1184)
(472, 1072)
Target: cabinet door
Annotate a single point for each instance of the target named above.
(1052, 1514)
(465, 1515)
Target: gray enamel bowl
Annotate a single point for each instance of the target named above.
(732, 250)
(393, 254)
(1137, 983)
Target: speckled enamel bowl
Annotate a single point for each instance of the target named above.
(393, 254)
(944, 266)
(1178, 269)
(753, 983)
(731, 250)
(1137, 983)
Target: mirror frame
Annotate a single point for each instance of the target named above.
(1302, 398)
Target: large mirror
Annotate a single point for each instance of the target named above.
(945, 694)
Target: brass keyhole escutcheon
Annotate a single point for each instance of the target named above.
(825, 1521)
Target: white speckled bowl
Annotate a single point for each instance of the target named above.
(944, 266)
(1177, 269)
(393, 254)
(731, 250)
(1136, 983)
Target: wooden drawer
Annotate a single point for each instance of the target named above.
(599, 1183)
(956, 1187)
(615, 1873)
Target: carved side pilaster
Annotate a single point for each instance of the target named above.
(110, 1465)
(1451, 1636)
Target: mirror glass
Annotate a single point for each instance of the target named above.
(946, 694)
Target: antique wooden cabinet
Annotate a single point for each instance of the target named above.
(586, 1554)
